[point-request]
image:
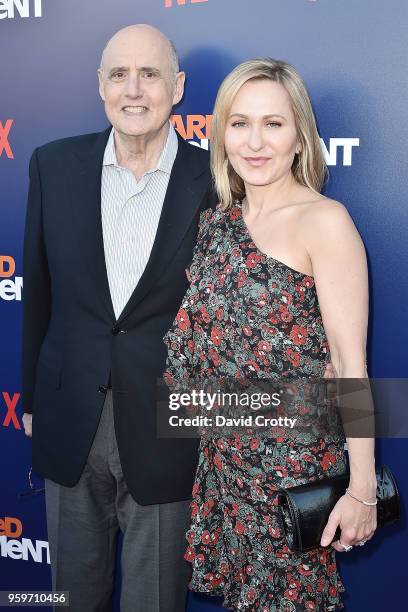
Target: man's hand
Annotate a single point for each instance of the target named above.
(28, 422)
(330, 372)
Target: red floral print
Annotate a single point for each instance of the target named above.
(246, 315)
(183, 319)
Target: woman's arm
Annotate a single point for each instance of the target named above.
(340, 271)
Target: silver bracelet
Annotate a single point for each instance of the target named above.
(366, 503)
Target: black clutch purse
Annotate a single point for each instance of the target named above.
(305, 509)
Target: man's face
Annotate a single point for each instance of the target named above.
(137, 82)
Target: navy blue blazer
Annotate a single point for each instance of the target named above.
(72, 343)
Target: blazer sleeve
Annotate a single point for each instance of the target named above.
(37, 285)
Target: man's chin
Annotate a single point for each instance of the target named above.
(138, 131)
(132, 132)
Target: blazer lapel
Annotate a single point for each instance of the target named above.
(183, 198)
(85, 187)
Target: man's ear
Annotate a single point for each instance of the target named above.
(101, 84)
(179, 87)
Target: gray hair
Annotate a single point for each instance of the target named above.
(174, 60)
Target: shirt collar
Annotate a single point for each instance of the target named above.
(166, 159)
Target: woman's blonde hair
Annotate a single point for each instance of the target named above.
(308, 168)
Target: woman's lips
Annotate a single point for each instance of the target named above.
(256, 161)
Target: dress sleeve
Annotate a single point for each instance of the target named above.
(179, 339)
(202, 243)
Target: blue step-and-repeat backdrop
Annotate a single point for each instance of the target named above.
(353, 57)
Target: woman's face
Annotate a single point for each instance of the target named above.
(260, 136)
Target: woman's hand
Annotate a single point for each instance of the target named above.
(357, 522)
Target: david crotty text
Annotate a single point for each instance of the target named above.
(222, 421)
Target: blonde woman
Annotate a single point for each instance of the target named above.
(278, 289)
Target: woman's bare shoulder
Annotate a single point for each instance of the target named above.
(323, 205)
(325, 213)
(327, 221)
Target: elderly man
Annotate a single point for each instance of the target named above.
(111, 224)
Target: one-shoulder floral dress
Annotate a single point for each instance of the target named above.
(247, 314)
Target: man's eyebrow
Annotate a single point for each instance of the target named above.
(142, 69)
(149, 69)
(118, 69)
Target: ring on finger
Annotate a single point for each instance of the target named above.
(346, 547)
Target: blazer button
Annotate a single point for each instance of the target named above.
(115, 330)
(103, 390)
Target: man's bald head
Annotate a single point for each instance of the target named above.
(152, 36)
(140, 82)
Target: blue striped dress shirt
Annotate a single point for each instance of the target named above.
(131, 211)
